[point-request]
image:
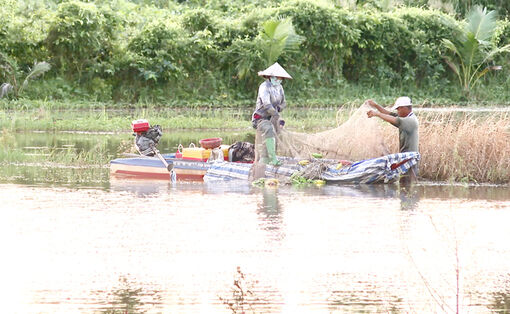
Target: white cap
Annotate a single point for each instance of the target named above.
(275, 70)
(402, 102)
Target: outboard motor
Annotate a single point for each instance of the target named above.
(146, 137)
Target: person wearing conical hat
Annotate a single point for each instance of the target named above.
(266, 117)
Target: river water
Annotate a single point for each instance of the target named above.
(78, 241)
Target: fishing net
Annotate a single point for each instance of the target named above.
(356, 138)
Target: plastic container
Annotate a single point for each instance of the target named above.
(178, 154)
(202, 154)
(140, 125)
(210, 143)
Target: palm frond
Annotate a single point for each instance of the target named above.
(451, 46)
(293, 42)
(269, 29)
(481, 24)
(471, 51)
(279, 36)
(492, 53)
(284, 29)
(39, 69)
(452, 66)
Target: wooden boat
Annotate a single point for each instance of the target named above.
(192, 163)
(152, 168)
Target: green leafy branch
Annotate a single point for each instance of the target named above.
(278, 37)
(13, 74)
(472, 52)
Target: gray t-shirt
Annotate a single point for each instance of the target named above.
(269, 98)
(408, 133)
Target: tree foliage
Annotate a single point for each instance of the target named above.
(80, 36)
(277, 37)
(473, 50)
(125, 48)
(13, 75)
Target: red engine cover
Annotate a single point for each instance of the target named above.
(140, 125)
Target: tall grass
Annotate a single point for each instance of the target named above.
(12, 152)
(467, 148)
(462, 147)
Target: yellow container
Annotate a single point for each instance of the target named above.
(199, 153)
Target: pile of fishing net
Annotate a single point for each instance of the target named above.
(354, 139)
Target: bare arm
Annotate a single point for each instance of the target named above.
(386, 117)
(374, 105)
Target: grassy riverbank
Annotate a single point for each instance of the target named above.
(118, 120)
(305, 114)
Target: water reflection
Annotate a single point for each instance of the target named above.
(145, 187)
(470, 192)
(243, 296)
(140, 187)
(409, 197)
(130, 297)
(270, 213)
(308, 250)
(361, 190)
(221, 187)
(500, 302)
(346, 301)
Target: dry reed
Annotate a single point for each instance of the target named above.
(462, 148)
(468, 148)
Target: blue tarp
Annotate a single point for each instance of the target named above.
(375, 170)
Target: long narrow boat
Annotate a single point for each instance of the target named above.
(152, 168)
(385, 169)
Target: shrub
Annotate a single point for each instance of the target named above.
(384, 50)
(428, 29)
(401, 47)
(23, 27)
(198, 20)
(160, 52)
(80, 36)
(473, 51)
(328, 34)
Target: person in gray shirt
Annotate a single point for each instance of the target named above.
(406, 122)
(266, 117)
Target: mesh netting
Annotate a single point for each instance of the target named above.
(355, 139)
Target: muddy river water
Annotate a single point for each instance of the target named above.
(78, 241)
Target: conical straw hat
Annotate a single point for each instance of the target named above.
(275, 70)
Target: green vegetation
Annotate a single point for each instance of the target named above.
(473, 50)
(102, 120)
(180, 53)
(193, 65)
(13, 75)
(13, 151)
